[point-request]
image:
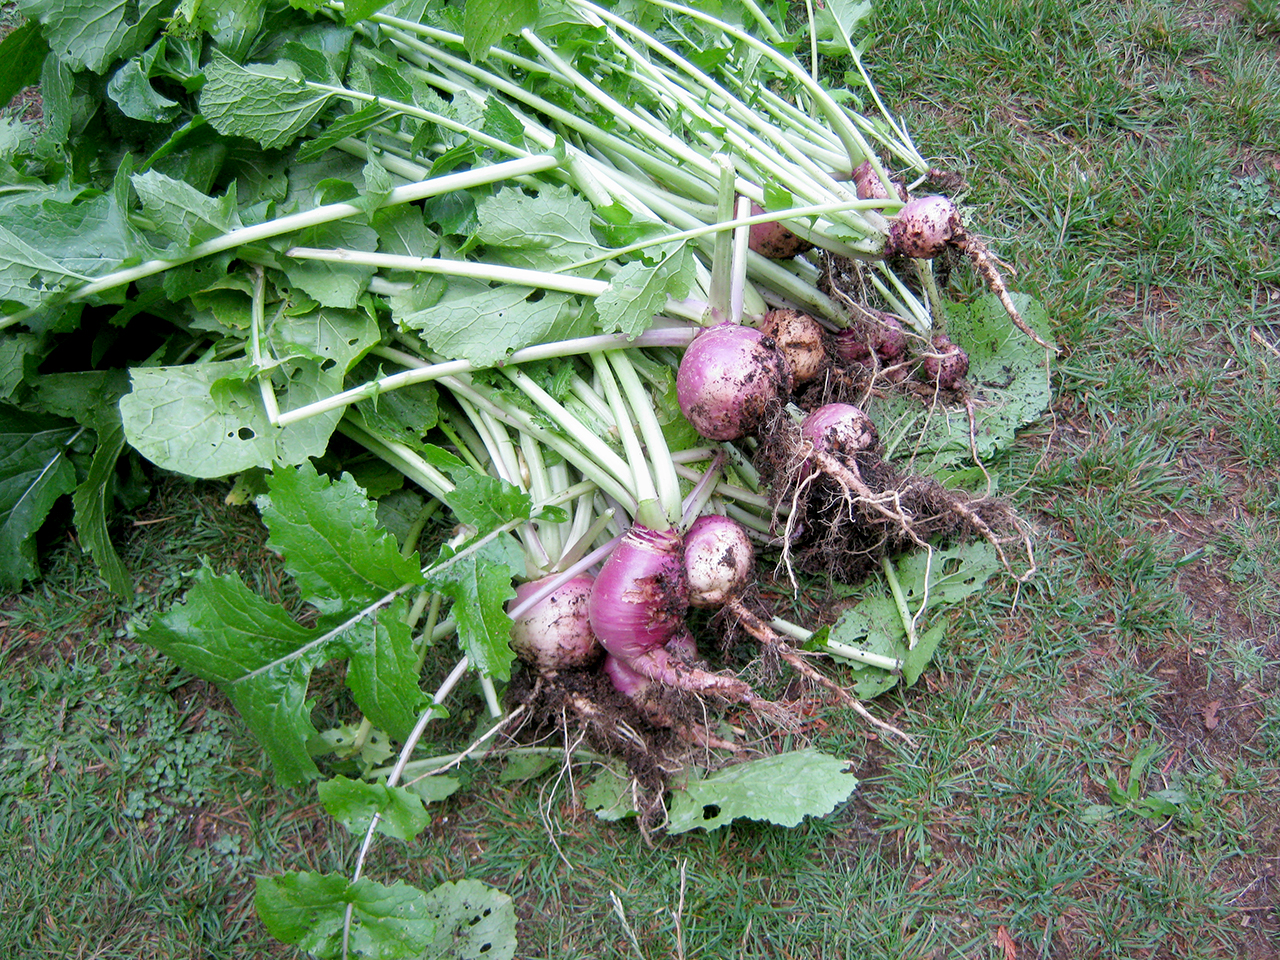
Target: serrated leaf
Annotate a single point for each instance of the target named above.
(34, 472)
(327, 531)
(483, 324)
(269, 103)
(782, 789)
(487, 502)
(543, 231)
(257, 654)
(639, 291)
(354, 802)
(479, 584)
(383, 672)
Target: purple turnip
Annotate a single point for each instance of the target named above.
(945, 364)
(728, 380)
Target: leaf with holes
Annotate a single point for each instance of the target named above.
(783, 789)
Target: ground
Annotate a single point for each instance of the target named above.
(1123, 159)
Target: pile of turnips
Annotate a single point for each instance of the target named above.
(790, 348)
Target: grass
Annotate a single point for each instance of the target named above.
(1122, 159)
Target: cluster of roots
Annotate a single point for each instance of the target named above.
(655, 737)
(840, 512)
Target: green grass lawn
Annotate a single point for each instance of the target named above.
(1124, 161)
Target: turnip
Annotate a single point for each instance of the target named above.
(719, 560)
(555, 632)
(637, 607)
(868, 185)
(927, 226)
(882, 334)
(839, 429)
(773, 240)
(801, 340)
(729, 378)
(945, 364)
(848, 507)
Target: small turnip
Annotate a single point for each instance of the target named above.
(771, 239)
(801, 340)
(555, 634)
(946, 364)
(925, 227)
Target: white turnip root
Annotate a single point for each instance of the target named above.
(555, 633)
(801, 340)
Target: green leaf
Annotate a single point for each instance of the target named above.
(90, 34)
(34, 472)
(181, 212)
(485, 22)
(343, 561)
(1009, 386)
(476, 922)
(333, 284)
(487, 502)
(17, 352)
(328, 532)
(308, 910)
(22, 54)
(257, 654)
(130, 87)
(639, 291)
(269, 103)
(549, 229)
(433, 789)
(174, 420)
(782, 789)
(874, 624)
(354, 802)
(480, 585)
(92, 499)
(464, 920)
(484, 324)
(336, 338)
(348, 125)
(610, 794)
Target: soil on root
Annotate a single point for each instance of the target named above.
(841, 524)
(615, 725)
